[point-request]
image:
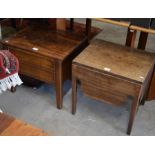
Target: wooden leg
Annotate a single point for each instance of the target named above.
(59, 85)
(71, 24)
(133, 111)
(151, 94)
(61, 24)
(88, 28)
(142, 40)
(13, 23)
(131, 37)
(74, 95)
(13, 89)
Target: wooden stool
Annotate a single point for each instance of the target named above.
(46, 55)
(113, 73)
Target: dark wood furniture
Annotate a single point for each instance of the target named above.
(127, 24)
(10, 126)
(113, 73)
(46, 55)
(131, 35)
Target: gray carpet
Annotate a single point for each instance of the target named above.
(37, 106)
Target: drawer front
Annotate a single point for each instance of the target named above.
(104, 87)
(37, 73)
(38, 67)
(37, 61)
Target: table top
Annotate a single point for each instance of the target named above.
(55, 44)
(117, 60)
(10, 126)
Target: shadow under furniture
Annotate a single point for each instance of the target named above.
(46, 54)
(113, 73)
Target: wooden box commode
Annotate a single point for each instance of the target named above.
(46, 54)
(114, 74)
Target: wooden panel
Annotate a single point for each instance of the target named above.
(127, 24)
(10, 126)
(67, 63)
(105, 87)
(146, 86)
(42, 75)
(142, 29)
(53, 44)
(71, 27)
(131, 37)
(88, 28)
(142, 40)
(36, 61)
(61, 24)
(121, 61)
(5, 122)
(151, 95)
(142, 45)
(41, 68)
(124, 24)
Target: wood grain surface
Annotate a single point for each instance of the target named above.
(113, 73)
(106, 88)
(10, 126)
(118, 60)
(54, 44)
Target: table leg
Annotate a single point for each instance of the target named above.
(151, 94)
(13, 23)
(61, 24)
(88, 28)
(142, 40)
(74, 94)
(59, 85)
(133, 111)
(71, 24)
(131, 37)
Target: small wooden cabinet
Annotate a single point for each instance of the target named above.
(46, 55)
(114, 74)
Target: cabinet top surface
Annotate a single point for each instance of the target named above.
(44, 41)
(117, 60)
